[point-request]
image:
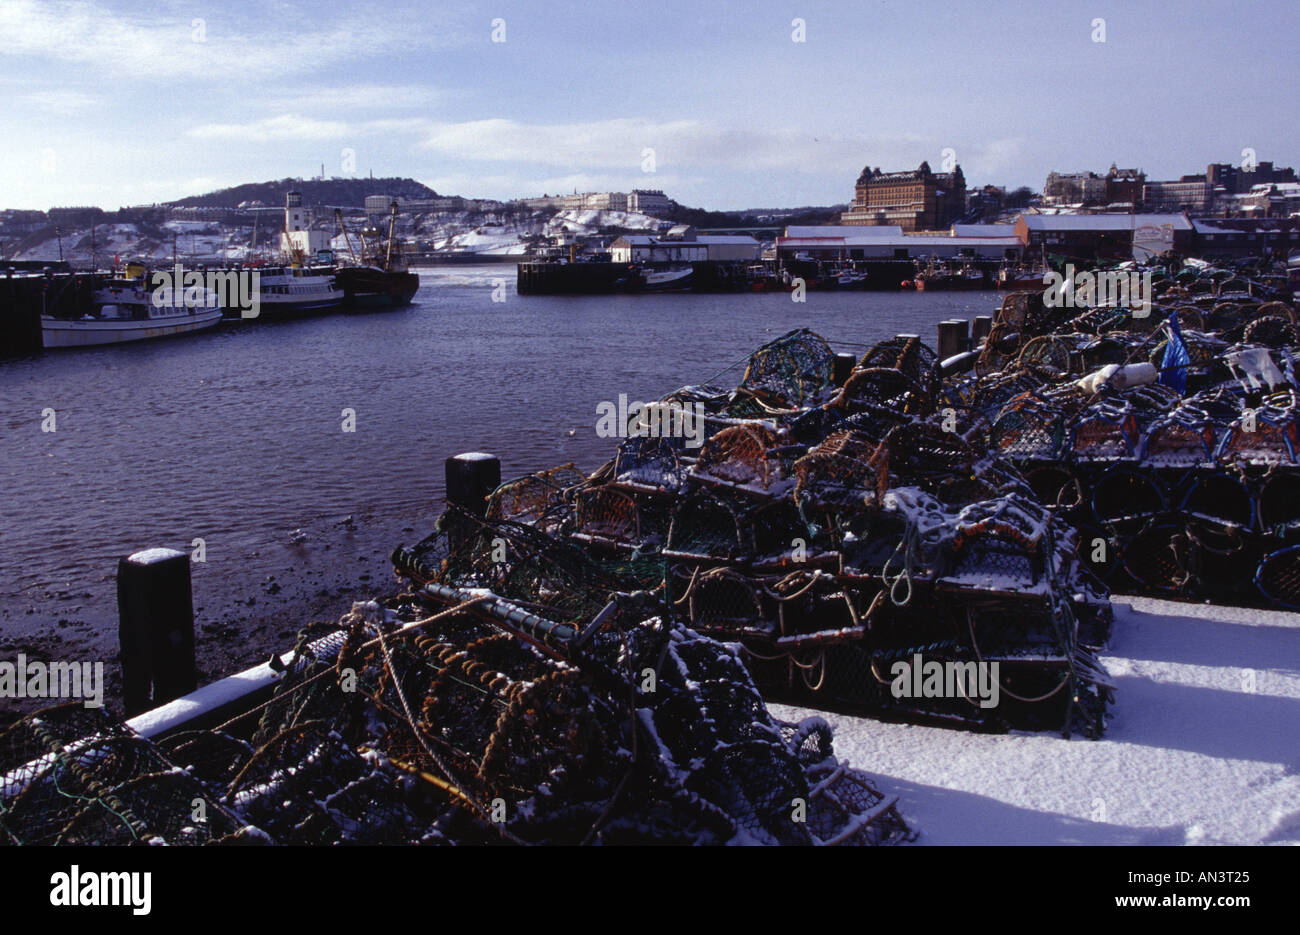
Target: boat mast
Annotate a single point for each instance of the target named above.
(392, 221)
(338, 216)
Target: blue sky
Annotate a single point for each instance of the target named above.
(125, 103)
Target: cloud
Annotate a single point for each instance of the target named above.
(622, 142)
(353, 97)
(61, 101)
(182, 46)
(295, 127)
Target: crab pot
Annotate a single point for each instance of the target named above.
(704, 528)
(609, 517)
(1278, 577)
(1055, 485)
(1220, 498)
(155, 628)
(1125, 493)
(1278, 505)
(1223, 560)
(1159, 557)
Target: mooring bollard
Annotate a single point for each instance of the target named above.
(952, 337)
(155, 607)
(471, 477)
(843, 368)
(981, 327)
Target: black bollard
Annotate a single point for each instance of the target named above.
(843, 368)
(980, 328)
(155, 607)
(471, 477)
(952, 337)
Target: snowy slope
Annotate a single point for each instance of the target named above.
(1203, 746)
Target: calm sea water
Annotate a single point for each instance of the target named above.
(235, 436)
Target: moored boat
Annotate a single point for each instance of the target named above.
(125, 310)
(666, 280)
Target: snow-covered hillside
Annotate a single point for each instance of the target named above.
(1203, 746)
(504, 232)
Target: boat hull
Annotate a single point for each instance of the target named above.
(57, 332)
(366, 289)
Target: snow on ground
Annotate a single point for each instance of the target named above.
(1202, 746)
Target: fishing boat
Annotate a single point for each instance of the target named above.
(378, 277)
(126, 310)
(673, 279)
(1020, 280)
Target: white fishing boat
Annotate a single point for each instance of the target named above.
(288, 291)
(666, 280)
(125, 310)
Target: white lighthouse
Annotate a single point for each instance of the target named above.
(298, 239)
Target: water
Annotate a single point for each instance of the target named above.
(235, 436)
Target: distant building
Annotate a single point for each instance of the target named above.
(649, 201)
(1191, 193)
(1088, 188)
(1272, 200)
(915, 200)
(962, 241)
(1238, 180)
(1235, 237)
(988, 201)
(1104, 236)
(682, 244)
(75, 216)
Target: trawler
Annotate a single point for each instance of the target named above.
(378, 276)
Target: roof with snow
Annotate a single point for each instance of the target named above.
(842, 230)
(1103, 222)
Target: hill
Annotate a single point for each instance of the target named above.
(335, 191)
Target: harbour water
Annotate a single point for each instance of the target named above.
(236, 437)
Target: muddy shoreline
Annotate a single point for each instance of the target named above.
(244, 610)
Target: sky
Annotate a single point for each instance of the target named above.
(723, 105)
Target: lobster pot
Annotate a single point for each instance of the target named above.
(610, 517)
(1048, 354)
(1106, 431)
(1124, 493)
(886, 392)
(1184, 438)
(1278, 577)
(993, 562)
(1220, 499)
(910, 356)
(1029, 430)
(792, 369)
(536, 499)
(836, 475)
(1005, 630)
(1055, 485)
(1223, 561)
(776, 534)
(650, 463)
(870, 540)
(1159, 557)
(742, 456)
(722, 603)
(922, 453)
(704, 528)
(1278, 504)
(1272, 441)
(1275, 331)
(994, 393)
